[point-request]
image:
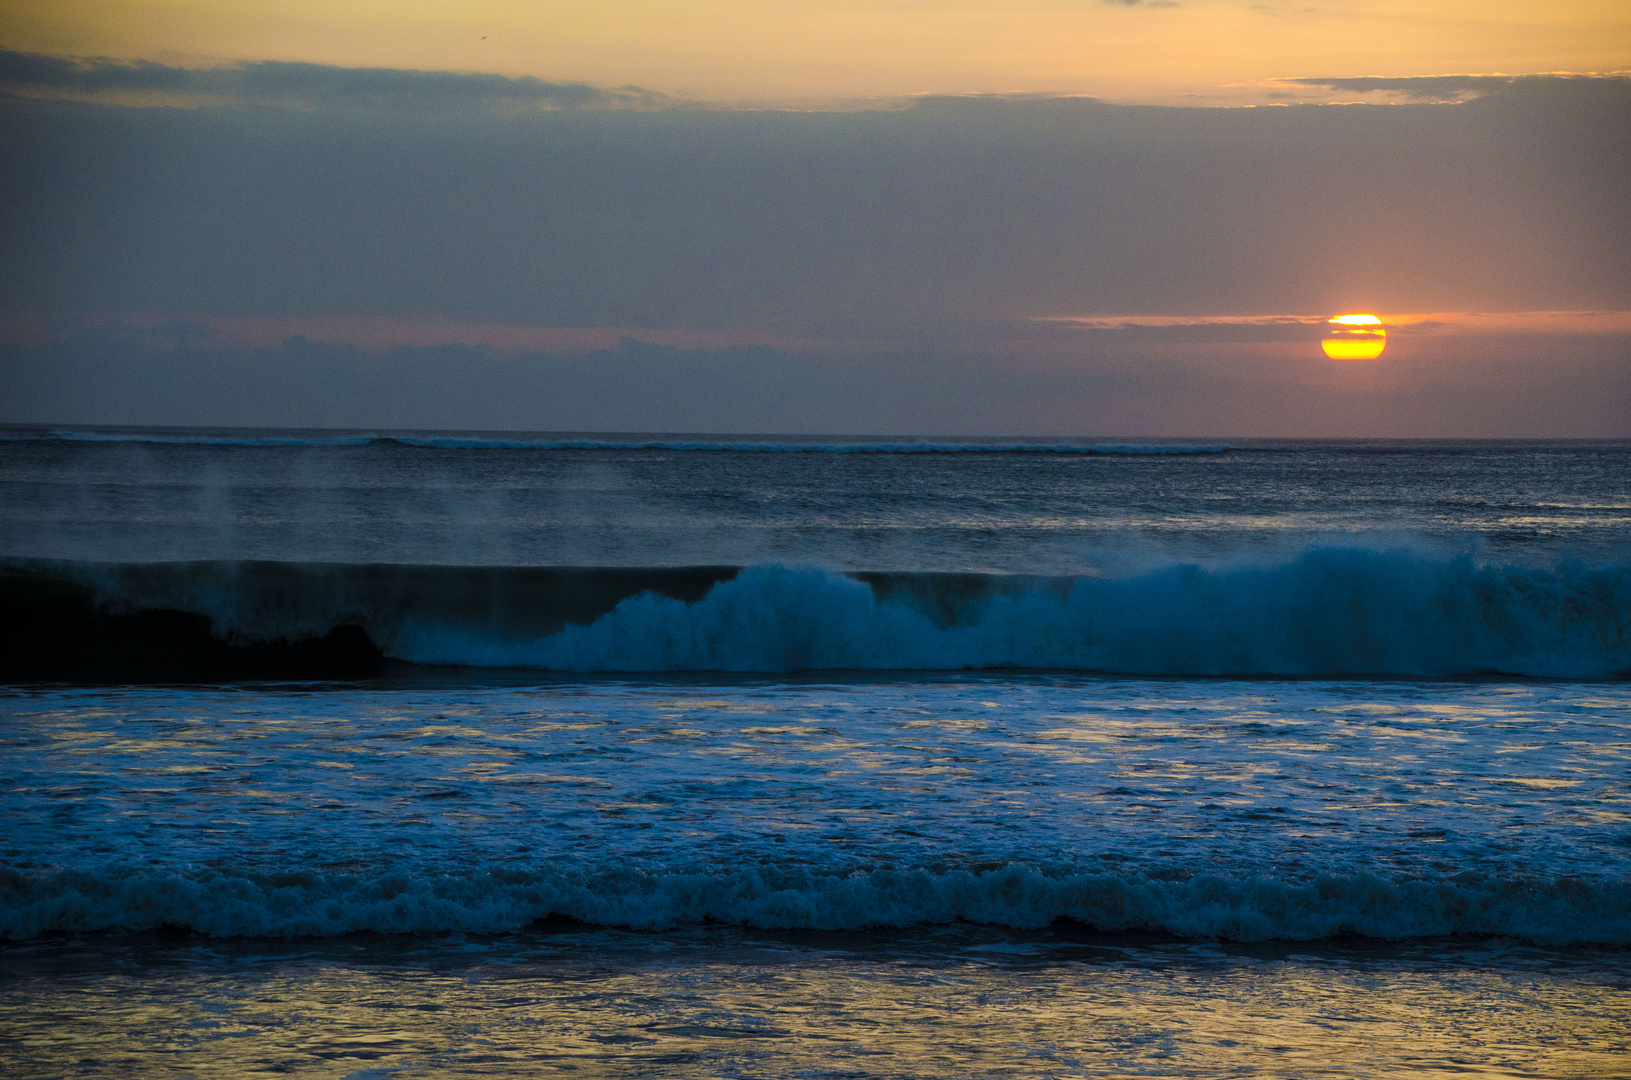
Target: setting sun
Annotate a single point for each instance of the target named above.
(1354, 337)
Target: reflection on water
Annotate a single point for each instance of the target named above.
(722, 1002)
(1514, 780)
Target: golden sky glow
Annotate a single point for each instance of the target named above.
(810, 50)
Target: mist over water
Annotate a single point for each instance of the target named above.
(1037, 507)
(691, 554)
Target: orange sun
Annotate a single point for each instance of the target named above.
(1354, 337)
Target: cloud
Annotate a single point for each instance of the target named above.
(939, 227)
(1453, 88)
(1141, 3)
(280, 84)
(1262, 329)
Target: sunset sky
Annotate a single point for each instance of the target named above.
(1031, 216)
(1151, 51)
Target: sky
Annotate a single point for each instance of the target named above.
(1028, 217)
(1150, 51)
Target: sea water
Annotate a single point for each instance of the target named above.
(691, 756)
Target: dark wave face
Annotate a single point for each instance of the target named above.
(307, 903)
(1328, 611)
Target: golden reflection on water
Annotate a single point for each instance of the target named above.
(822, 1016)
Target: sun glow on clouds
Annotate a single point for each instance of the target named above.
(1439, 322)
(1346, 337)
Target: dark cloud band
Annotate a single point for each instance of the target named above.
(299, 85)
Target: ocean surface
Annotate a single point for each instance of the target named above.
(369, 754)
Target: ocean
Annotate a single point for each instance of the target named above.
(376, 754)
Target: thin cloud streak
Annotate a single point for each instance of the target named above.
(1298, 327)
(372, 333)
(1437, 89)
(380, 333)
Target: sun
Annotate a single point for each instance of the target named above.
(1354, 337)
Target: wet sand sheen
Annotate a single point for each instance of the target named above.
(717, 1002)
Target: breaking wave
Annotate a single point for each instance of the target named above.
(1328, 611)
(308, 904)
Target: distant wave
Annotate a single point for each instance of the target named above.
(302, 903)
(451, 442)
(1328, 611)
(181, 439)
(473, 442)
